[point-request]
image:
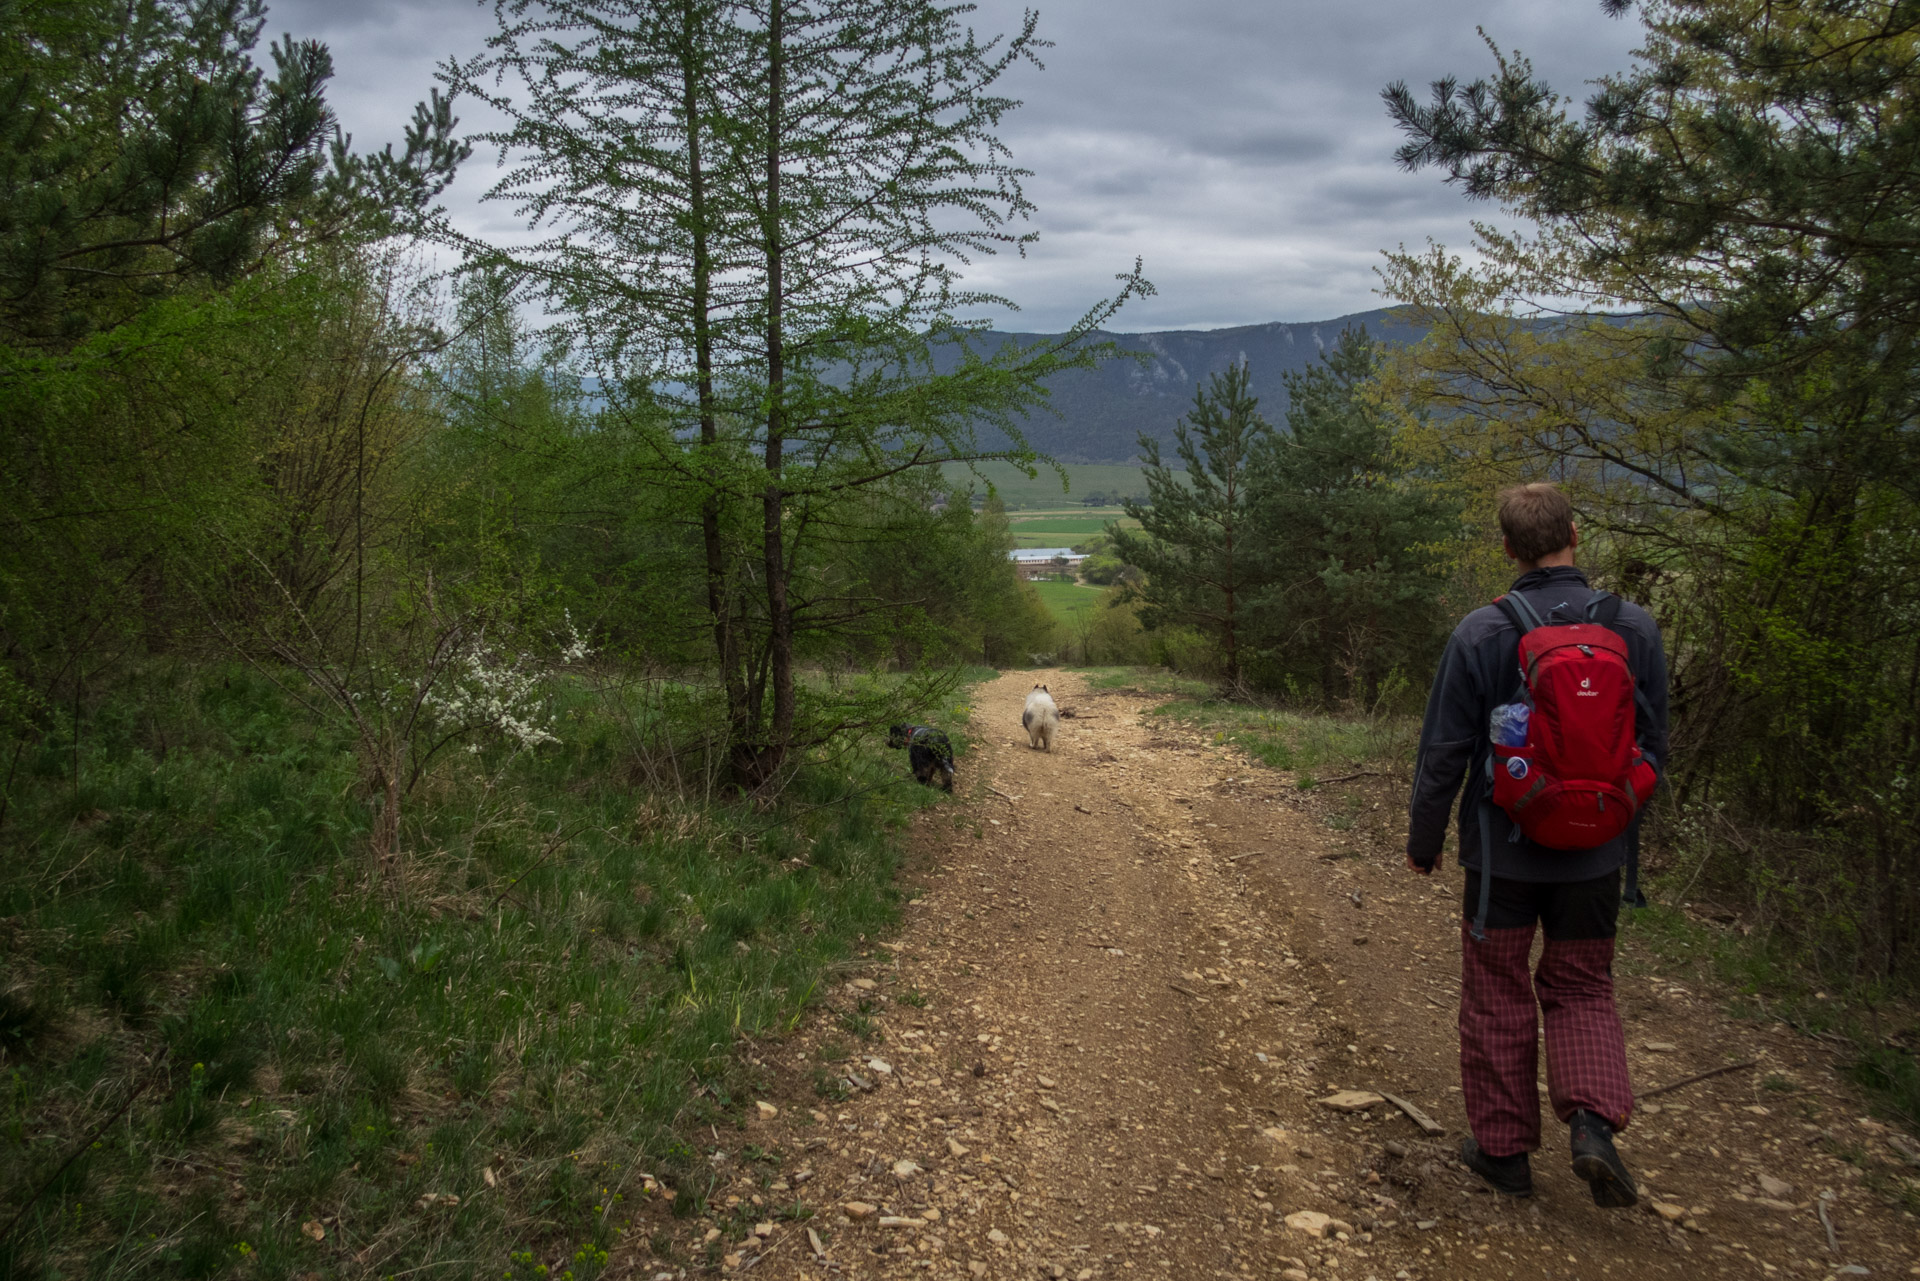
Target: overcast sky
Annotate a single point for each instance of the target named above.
(1238, 146)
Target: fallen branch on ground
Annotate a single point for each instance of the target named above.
(1426, 1123)
(1002, 795)
(1348, 778)
(1699, 1077)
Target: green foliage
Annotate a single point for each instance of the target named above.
(1354, 585)
(1103, 569)
(1103, 566)
(549, 994)
(760, 285)
(1301, 741)
(174, 253)
(146, 152)
(1302, 557)
(1739, 434)
(1006, 622)
(1194, 548)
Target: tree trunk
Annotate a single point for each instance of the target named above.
(726, 637)
(771, 753)
(1232, 638)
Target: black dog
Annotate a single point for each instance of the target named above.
(929, 751)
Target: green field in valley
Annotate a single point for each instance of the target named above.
(1043, 491)
(1068, 599)
(1064, 529)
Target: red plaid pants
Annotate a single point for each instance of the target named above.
(1500, 1036)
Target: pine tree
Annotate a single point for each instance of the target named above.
(1736, 413)
(142, 149)
(1193, 543)
(1354, 583)
(171, 213)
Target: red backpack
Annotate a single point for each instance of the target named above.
(1580, 778)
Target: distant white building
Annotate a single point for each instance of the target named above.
(1035, 562)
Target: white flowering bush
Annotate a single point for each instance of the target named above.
(477, 691)
(445, 682)
(480, 692)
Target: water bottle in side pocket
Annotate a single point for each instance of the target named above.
(1508, 725)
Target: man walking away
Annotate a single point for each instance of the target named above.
(1574, 741)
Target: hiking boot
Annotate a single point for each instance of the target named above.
(1596, 1161)
(1507, 1175)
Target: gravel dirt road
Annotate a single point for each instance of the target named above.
(1134, 968)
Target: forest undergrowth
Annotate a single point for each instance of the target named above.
(234, 1037)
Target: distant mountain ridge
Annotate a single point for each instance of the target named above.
(1102, 412)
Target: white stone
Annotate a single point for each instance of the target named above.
(1311, 1222)
(1351, 1100)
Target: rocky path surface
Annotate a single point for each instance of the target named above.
(1136, 967)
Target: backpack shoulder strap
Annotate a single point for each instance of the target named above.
(1520, 612)
(1604, 609)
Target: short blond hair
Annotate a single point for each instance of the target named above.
(1537, 520)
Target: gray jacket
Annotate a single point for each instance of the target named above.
(1480, 670)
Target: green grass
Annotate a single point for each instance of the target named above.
(1064, 530)
(1300, 741)
(532, 1009)
(1044, 491)
(1279, 738)
(1068, 599)
(1075, 527)
(1772, 982)
(1148, 680)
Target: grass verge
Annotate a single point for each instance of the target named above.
(1303, 742)
(235, 1045)
(1876, 1028)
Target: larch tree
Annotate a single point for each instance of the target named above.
(756, 217)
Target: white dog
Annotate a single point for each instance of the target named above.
(1041, 718)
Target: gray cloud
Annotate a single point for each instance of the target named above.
(1274, 148)
(1239, 147)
